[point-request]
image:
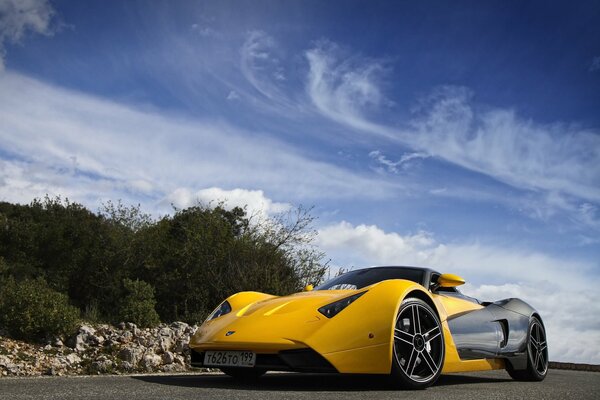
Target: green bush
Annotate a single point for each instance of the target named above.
(31, 310)
(138, 304)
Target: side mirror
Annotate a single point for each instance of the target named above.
(308, 288)
(450, 280)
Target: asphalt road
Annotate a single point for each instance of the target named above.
(489, 385)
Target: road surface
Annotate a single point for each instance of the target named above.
(489, 385)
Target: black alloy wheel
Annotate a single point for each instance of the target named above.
(537, 354)
(418, 352)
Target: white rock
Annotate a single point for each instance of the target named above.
(168, 358)
(126, 337)
(73, 359)
(87, 330)
(77, 343)
(165, 332)
(179, 326)
(127, 366)
(151, 361)
(131, 355)
(165, 344)
(102, 366)
(172, 368)
(181, 345)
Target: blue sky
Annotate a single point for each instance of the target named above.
(464, 136)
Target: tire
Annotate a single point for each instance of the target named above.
(537, 355)
(244, 374)
(418, 350)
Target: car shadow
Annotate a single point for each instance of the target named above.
(305, 382)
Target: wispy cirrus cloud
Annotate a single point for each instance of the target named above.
(561, 158)
(343, 89)
(405, 161)
(497, 142)
(18, 17)
(261, 65)
(45, 128)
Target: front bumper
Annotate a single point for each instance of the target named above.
(297, 360)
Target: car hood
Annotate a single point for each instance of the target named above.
(295, 302)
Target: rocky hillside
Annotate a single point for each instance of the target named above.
(101, 349)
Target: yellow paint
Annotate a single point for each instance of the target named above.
(450, 280)
(357, 340)
(452, 306)
(274, 310)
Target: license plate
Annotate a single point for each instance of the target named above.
(229, 358)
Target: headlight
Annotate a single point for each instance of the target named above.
(333, 309)
(223, 309)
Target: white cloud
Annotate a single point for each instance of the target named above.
(342, 90)
(254, 201)
(368, 244)
(204, 31)
(405, 161)
(562, 290)
(498, 143)
(233, 95)
(22, 181)
(261, 65)
(557, 157)
(135, 151)
(17, 17)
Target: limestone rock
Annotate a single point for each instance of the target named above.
(131, 355)
(151, 361)
(168, 358)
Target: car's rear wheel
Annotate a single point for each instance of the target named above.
(244, 374)
(537, 354)
(418, 352)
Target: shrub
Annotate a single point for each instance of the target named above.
(31, 310)
(138, 304)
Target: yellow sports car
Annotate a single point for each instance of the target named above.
(411, 323)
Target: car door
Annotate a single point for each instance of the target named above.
(474, 328)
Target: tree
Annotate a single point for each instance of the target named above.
(137, 304)
(120, 258)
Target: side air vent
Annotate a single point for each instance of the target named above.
(504, 325)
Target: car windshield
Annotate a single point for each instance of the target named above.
(365, 277)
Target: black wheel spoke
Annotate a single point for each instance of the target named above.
(412, 362)
(416, 320)
(429, 361)
(403, 336)
(433, 337)
(432, 331)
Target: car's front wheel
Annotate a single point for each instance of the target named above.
(537, 354)
(418, 352)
